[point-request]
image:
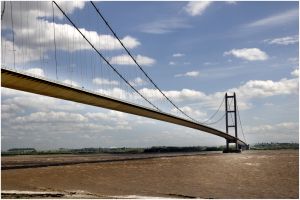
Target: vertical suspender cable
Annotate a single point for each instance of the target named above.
(2, 13)
(240, 122)
(55, 58)
(13, 34)
(99, 54)
(134, 60)
(212, 116)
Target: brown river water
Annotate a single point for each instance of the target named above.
(250, 174)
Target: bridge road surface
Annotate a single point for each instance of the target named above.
(40, 85)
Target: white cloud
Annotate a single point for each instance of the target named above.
(191, 112)
(178, 96)
(164, 26)
(97, 116)
(104, 81)
(210, 63)
(10, 108)
(194, 8)
(268, 104)
(115, 92)
(255, 89)
(250, 54)
(36, 102)
(192, 73)
(130, 95)
(283, 40)
(69, 6)
(269, 128)
(97, 122)
(43, 9)
(70, 82)
(276, 20)
(130, 42)
(189, 74)
(288, 125)
(111, 115)
(34, 124)
(21, 54)
(36, 71)
(10, 111)
(294, 60)
(25, 113)
(207, 63)
(40, 33)
(137, 82)
(266, 88)
(172, 63)
(295, 73)
(252, 89)
(231, 2)
(127, 60)
(57, 117)
(178, 55)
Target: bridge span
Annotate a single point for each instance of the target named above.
(39, 85)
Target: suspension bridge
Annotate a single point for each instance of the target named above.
(87, 67)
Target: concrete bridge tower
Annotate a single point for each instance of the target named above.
(231, 125)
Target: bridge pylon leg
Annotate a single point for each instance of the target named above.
(227, 145)
(228, 112)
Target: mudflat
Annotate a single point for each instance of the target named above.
(250, 174)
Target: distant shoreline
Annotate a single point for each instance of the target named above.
(54, 160)
(129, 150)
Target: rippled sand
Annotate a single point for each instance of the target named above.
(251, 174)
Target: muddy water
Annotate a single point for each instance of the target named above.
(252, 174)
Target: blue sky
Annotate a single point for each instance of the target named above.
(195, 52)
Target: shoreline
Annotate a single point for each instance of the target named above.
(13, 194)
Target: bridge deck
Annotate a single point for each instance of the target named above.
(39, 85)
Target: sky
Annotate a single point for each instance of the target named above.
(194, 51)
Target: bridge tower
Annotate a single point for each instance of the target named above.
(231, 124)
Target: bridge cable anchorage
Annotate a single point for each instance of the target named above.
(55, 57)
(107, 62)
(2, 12)
(240, 122)
(213, 115)
(102, 17)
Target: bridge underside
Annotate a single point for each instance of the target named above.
(38, 85)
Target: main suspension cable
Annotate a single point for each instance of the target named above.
(217, 120)
(105, 21)
(240, 122)
(2, 12)
(108, 63)
(212, 116)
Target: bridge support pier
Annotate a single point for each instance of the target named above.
(228, 112)
(236, 149)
